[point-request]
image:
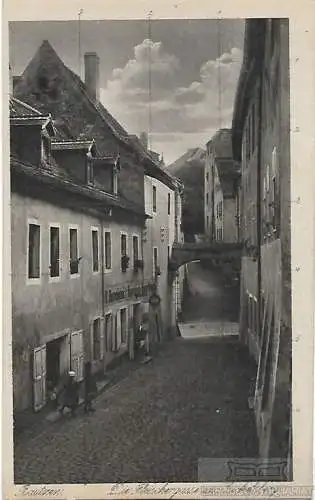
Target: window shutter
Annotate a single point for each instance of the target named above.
(77, 354)
(91, 338)
(114, 333)
(102, 337)
(39, 377)
(118, 330)
(130, 332)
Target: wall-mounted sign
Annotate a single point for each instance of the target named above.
(129, 292)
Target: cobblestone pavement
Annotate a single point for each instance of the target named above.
(190, 402)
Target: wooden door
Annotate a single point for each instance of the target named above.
(39, 377)
(77, 354)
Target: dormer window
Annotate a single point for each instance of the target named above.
(89, 172)
(46, 148)
(115, 181)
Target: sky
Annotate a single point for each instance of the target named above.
(193, 62)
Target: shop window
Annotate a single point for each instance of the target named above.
(108, 250)
(54, 252)
(97, 339)
(74, 262)
(33, 251)
(95, 256)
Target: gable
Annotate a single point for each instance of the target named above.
(51, 87)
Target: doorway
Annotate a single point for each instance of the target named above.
(136, 317)
(53, 350)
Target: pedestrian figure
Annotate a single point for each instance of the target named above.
(70, 394)
(90, 388)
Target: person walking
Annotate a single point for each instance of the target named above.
(90, 388)
(70, 394)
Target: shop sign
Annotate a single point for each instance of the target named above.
(128, 292)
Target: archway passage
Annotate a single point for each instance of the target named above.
(211, 297)
(183, 253)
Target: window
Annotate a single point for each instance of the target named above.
(169, 203)
(135, 248)
(207, 176)
(108, 250)
(123, 245)
(89, 172)
(115, 181)
(97, 339)
(34, 251)
(54, 252)
(207, 199)
(207, 220)
(74, 262)
(154, 198)
(253, 125)
(123, 325)
(168, 252)
(46, 147)
(155, 258)
(95, 257)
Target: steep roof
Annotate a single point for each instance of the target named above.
(47, 52)
(19, 109)
(53, 175)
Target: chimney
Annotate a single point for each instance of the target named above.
(92, 74)
(144, 140)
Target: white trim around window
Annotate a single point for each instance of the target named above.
(108, 231)
(53, 279)
(73, 226)
(33, 281)
(97, 230)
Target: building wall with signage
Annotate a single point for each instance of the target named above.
(42, 287)
(85, 293)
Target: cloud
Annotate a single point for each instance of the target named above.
(187, 112)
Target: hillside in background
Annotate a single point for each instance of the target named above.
(189, 168)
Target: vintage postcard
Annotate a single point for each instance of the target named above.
(158, 269)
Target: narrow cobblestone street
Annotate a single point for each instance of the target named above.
(190, 402)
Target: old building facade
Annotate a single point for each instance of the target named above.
(77, 280)
(220, 178)
(163, 204)
(261, 142)
(82, 265)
